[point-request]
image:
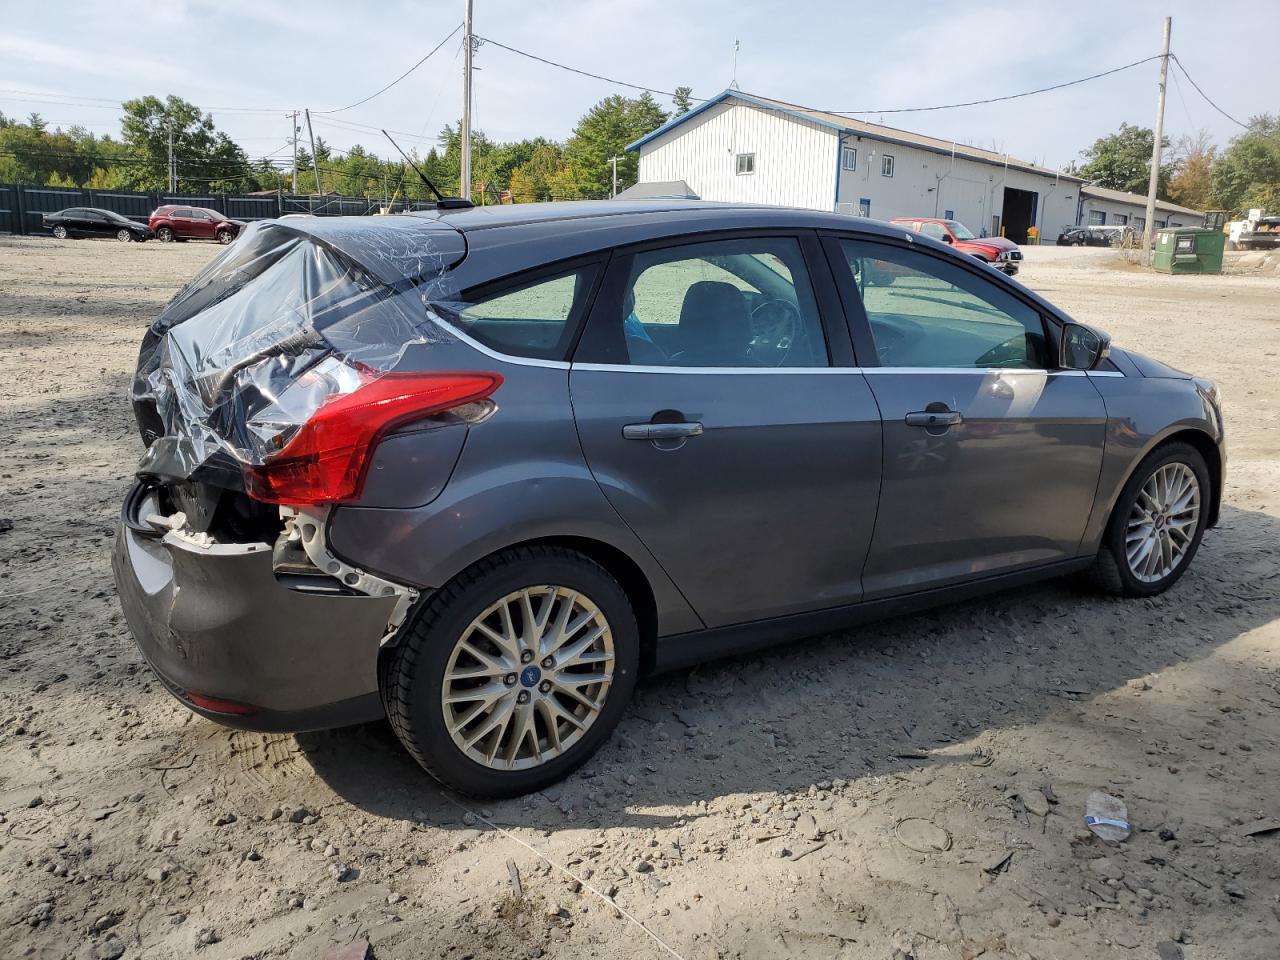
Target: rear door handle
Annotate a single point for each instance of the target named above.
(940, 418)
(661, 431)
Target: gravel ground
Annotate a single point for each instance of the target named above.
(784, 805)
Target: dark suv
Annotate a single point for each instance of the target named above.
(477, 470)
(174, 222)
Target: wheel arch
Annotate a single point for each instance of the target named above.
(1204, 444)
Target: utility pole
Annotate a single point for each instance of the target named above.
(1154, 180)
(614, 161)
(173, 167)
(315, 167)
(293, 119)
(465, 173)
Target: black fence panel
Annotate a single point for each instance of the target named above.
(22, 207)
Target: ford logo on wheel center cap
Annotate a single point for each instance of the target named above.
(530, 676)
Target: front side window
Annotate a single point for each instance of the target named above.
(959, 230)
(886, 165)
(935, 230)
(926, 312)
(535, 319)
(746, 163)
(849, 158)
(726, 303)
(199, 215)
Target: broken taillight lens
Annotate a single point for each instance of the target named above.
(325, 460)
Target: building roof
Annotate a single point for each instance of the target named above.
(658, 190)
(860, 128)
(1119, 196)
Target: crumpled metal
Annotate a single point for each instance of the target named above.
(248, 350)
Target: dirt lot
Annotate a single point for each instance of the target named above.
(765, 807)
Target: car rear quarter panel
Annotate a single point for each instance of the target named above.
(521, 476)
(1142, 413)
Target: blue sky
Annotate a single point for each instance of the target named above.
(248, 61)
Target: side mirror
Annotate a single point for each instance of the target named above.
(1083, 348)
(946, 238)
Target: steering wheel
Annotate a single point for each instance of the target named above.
(775, 327)
(1010, 353)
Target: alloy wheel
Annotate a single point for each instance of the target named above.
(124, 236)
(1162, 522)
(164, 235)
(528, 677)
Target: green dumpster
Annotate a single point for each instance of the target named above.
(1189, 250)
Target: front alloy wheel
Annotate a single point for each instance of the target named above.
(124, 236)
(1157, 523)
(512, 674)
(1162, 522)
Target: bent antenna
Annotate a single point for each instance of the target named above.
(442, 202)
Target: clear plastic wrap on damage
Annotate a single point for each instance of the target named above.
(267, 332)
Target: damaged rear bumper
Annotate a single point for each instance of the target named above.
(219, 627)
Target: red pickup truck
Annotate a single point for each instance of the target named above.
(1000, 253)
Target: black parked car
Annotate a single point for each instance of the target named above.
(1094, 236)
(92, 222)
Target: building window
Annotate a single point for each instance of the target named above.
(746, 163)
(849, 158)
(1097, 218)
(1121, 218)
(886, 165)
(1139, 223)
(948, 215)
(864, 206)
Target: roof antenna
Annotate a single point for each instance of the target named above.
(733, 84)
(442, 202)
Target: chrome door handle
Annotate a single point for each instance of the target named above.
(940, 418)
(661, 431)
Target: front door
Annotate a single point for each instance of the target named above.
(711, 415)
(991, 457)
(201, 225)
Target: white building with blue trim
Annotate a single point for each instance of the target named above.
(742, 148)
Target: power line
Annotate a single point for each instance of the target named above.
(584, 73)
(1011, 96)
(1205, 95)
(397, 79)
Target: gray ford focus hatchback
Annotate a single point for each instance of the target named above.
(479, 470)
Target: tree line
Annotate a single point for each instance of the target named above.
(1200, 174)
(208, 160)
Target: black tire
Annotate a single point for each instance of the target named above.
(60, 232)
(125, 236)
(225, 236)
(165, 234)
(1111, 572)
(414, 670)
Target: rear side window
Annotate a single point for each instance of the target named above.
(538, 318)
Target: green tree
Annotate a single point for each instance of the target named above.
(1122, 161)
(604, 132)
(31, 153)
(206, 158)
(1248, 172)
(535, 179)
(683, 100)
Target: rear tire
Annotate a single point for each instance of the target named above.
(60, 232)
(1152, 537)
(428, 678)
(165, 234)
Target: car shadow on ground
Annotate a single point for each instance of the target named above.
(870, 701)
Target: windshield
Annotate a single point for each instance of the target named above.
(213, 214)
(960, 231)
(112, 215)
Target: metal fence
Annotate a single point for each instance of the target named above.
(22, 207)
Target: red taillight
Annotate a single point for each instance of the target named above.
(215, 705)
(324, 462)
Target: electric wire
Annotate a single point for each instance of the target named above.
(1178, 62)
(397, 79)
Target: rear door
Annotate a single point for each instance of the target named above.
(719, 410)
(991, 456)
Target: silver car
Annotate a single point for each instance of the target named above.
(478, 471)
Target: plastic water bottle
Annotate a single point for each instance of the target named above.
(1107, 817)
